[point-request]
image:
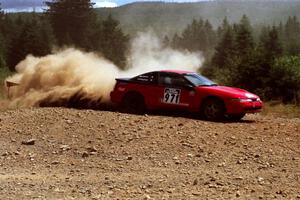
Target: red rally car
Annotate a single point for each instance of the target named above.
(183, 90)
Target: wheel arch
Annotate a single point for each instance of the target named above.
(133, 92)
(211, 97)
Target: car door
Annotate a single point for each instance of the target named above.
(146, 84)
(174, 92)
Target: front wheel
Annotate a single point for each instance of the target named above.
(213, 109)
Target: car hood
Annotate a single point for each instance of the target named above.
(229, 92)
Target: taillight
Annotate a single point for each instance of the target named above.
(116, 85)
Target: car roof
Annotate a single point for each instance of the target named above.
(177, 71)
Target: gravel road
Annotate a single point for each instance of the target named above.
(57, 153)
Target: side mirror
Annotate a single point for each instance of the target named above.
(190, 87)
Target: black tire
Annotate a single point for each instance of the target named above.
(133, 103)
(213, 109)
(236, 117)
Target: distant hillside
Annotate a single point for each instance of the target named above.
(173, 17)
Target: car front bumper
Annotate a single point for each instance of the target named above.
(235, 107)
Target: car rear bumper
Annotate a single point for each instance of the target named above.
(244, 107)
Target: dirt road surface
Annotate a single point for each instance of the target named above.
(55, 153)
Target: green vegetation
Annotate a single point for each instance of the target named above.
(171, 18)
(197, 36)
(67, 17)
(261, 58)
(4, 73)
(285, 79)
(75, 23)
(65, 23)
(281, 110)
(266, 63)
(113, 43)
(32, 36)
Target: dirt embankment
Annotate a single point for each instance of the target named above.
(54, 153)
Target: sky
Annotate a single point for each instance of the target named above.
(37, 5)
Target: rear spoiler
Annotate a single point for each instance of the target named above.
(123, 80)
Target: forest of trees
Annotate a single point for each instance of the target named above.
(264, 59)
(66, 23)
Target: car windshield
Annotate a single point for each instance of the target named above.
(199, 80)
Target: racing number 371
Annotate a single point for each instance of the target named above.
(171, 95)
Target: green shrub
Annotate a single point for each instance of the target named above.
(285, 79)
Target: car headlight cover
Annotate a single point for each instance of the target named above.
(242, 100)
(249, 95)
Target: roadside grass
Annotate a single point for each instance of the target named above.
(279, 109)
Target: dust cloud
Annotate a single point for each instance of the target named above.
(73, 78)
(147, 53)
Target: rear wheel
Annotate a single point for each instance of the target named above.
(236, 117)
(133, 103)
(213, 109)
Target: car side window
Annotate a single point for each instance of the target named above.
(179, 81)
(164, 79)
(146, 78)
(172, 80)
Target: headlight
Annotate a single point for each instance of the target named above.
(242, 100)
(249, 95)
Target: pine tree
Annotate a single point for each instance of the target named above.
(197, 36)
(34, 38)
(272, 46)
(114, 42)
(281, 34)
(269, 49)
(244, 38)
(2, 52)
(225, 61)
(1, 12)
(46, 36)
(292, 36)
(263, 37)
(285, 74)
(223, 28)
(176, 42)
(191, 36)
(224, 50)
(166, 41)
(96, 35)
(235, 55)
(2, 43)
(246, 56)
(20, 45)
(71, 21)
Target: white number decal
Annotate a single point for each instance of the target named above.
(172, 95)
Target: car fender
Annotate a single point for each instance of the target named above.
(202, 101)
